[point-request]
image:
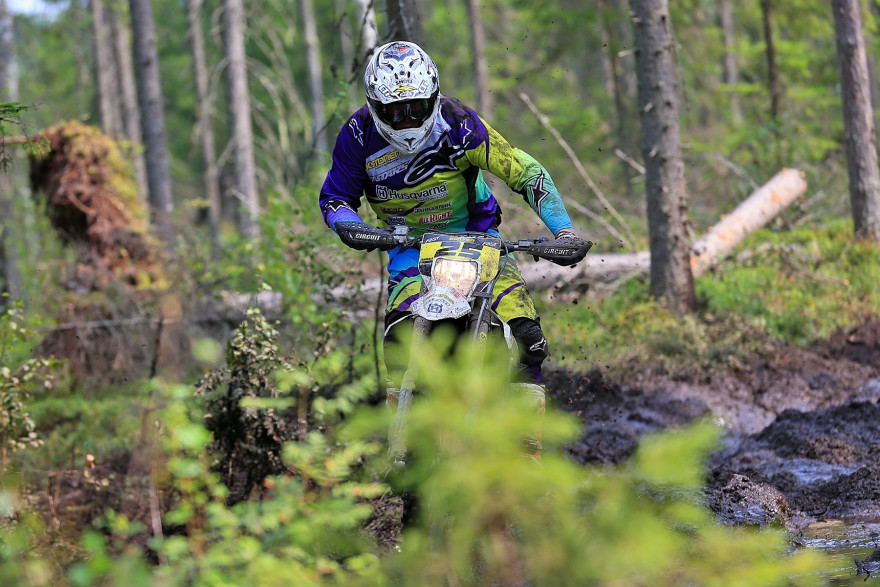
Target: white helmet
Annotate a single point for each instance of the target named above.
(403, 90)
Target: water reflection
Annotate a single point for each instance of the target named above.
(843, 542)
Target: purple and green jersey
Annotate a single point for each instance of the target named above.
(439, 188)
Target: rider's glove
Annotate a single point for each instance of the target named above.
(347, 235)
(567, 233)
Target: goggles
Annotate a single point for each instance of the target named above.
(395, 113)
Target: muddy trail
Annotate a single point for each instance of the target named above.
(802, 429)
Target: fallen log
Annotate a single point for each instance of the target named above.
(606, 270)
(601, 273)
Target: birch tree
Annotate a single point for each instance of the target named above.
(240, 124)
(131, 124)
(10, 278)
(368, 31)
(106, 72)
(149, 87)
(671, 275)
(858, 116)
(204, 110)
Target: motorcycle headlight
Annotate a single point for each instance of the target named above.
(455, 273)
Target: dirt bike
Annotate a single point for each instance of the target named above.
(459, 271)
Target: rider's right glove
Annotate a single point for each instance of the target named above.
(352, 233)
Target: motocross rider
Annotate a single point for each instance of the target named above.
(417, 153)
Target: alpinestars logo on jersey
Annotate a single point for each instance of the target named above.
(538, 193)
(356, 131)
(440, 157)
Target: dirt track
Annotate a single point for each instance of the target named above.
(802, 440)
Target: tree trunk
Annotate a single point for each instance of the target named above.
(10, 278)
(146, 66)
(620, 82)
(368, 31)
(404, 22)
(481, 68)
(346, 40)
(316, 82)
(858, 117)
(8, 59)
(671, 276)
(729, 64)
(105, 71)
(240, 125)
(770, 51)
(130, 111)
(204, 110)
(870, 47)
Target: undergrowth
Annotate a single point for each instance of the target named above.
(793, 287)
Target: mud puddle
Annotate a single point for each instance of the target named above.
(802, 437)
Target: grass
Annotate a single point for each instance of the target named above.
(794, 287)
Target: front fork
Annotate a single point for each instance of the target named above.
(421, 332)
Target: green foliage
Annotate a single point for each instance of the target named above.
(12, 115)
(20, 375)
(244, 408)
(494, 516)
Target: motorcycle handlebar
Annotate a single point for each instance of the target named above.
(360, 236)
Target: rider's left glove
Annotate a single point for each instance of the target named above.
(567, 233)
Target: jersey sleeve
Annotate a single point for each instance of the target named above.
(344, 185)
(524, 175)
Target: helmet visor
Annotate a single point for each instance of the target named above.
(399, 115)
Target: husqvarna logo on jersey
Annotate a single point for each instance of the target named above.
(384, 193)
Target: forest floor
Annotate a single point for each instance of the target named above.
(802, 428)
(801, 442)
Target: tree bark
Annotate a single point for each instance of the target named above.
(146, 60)
(10, 277)
(8, 59)
(316, 83)
(240, 124)
(404, 22)
(481, 67)
(368, 31)
(729, 63)
(204, 110)
(105, 71)
(770, 50)
(858, 117)
(620, 82)
(671, 276)
(346, 42)
(130, 110)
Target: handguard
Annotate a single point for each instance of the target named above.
(364, 237)
(566, 251)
